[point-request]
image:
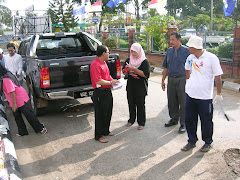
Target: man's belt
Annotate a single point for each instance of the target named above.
(178, 76)
(103, 89)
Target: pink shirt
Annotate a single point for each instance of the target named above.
(21, 94)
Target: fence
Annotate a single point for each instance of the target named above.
(148, 43)
(157, 44)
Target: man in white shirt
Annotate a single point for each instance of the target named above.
(202, 68)
(13, 62)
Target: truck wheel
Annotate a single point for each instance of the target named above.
(34, 101)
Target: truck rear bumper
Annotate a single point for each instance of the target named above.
(59, 95)
(70, 93)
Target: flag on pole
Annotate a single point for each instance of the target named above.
(228, 7)
(113, 3)
(96, 7)
(153, 4)
(81, 10)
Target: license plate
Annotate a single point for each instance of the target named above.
(85, 94)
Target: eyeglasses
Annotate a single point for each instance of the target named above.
(11, 50)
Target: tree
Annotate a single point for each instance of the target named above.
(31, 14)
(60, 12)
(193, 7)
(196, 21)
(157, 28)
(220, 23)
(5, 16)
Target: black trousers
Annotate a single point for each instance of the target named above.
(27, 110)
(202, 108)
(103, 104)
(136, 105)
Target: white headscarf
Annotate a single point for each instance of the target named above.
(136, 62)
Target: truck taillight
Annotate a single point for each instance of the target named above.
(118, 67)
(45, 78)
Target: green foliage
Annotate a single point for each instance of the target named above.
(30, 14)
(157, 28)
(192, 7)
(60, 12)
(5, 16)
(144, 45)
(213, 50)
(123, 43)
(184, 41)
(110, 42)
(226, 50)
(141, 39)
(1, 32)
(196, 21)
(227, 23)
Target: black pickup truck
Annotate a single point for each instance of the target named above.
(56, 66)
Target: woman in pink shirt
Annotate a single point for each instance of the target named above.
(18, 100)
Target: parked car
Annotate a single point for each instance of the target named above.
(187, 33)
(56, 66)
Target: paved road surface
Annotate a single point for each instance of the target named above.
(68, 150)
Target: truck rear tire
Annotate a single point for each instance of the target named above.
(34, 101)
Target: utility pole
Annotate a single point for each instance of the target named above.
(211, 23)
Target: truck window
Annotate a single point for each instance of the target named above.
(56, 46)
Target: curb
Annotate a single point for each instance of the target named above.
(11, 162)
(226, 84)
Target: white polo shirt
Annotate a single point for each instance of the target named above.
(14, 64)
(203, 70)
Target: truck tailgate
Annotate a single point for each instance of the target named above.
(70, 71)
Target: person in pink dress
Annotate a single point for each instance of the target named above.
(18, 101)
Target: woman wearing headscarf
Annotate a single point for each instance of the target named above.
(18, 101)
(137, 70)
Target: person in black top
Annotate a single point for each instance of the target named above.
(137, 70)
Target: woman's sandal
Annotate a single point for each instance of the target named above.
(205, 148)
(129, 124)
(110, 134)
(140, 127)
(188, 146)
(102, 140)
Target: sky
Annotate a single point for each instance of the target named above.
(21, 5)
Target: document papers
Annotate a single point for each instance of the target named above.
(120, 84)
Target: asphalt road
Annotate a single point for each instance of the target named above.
(68, 150)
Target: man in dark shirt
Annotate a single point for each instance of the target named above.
(174, 68)
(102, 97)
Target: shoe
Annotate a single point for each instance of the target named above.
(102, 140)
(19, 135)
(188, 146)
(140, 127)
(129, 124)
(205, 147)
(44, 131)
(171, 123)
(182, 129)
(110, 134)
